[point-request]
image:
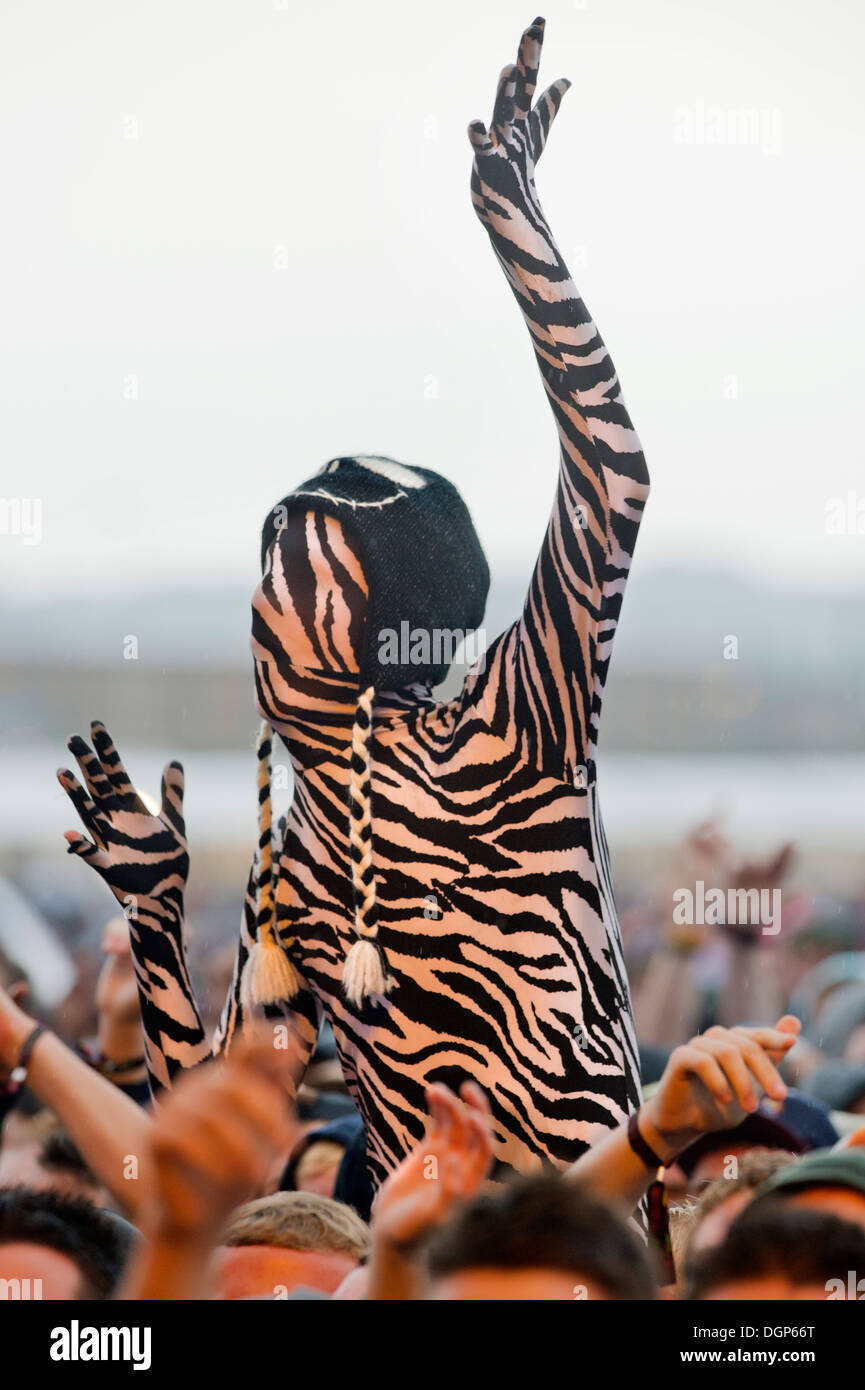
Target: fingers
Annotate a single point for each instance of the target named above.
(95, 780)
(222, 1127)
(503, 108)
(172, 796)
(255, 1049)
(481, 142)
(757, 1052)
(110, 760)
(774, 1043)
(773, 1039)
(232, 1140)
(528, 63)
(95, 857)
(442, 1104)
(544, 113)
(82, 803)
(743, 1062)
(456, 1126)
(476, 1098)
(462, 1130)
(704, 1065)
(731, 1062)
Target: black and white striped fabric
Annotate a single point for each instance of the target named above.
(493, 900)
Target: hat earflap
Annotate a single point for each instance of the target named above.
(365, 971)
(268, 974)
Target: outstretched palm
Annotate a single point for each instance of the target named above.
(140, 854)
(505, 155)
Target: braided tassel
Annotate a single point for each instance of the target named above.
(268, 974)
(365, 970)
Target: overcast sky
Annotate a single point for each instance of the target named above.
(237, 240)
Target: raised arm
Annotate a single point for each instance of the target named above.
(112, 1132)
(142, 857)
(560, 648)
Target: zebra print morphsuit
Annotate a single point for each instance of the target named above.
(494, 902)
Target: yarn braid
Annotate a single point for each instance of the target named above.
(365, 969)
(268, 975)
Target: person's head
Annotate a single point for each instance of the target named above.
(537, 1238)
(724, 1199)
(830, 1181)
(317, 1158)
(774, 1251)
(350, 556)
(317, 1167)
(51, 1160)
(798, 1125)
(61, 1246)
(290, 1239)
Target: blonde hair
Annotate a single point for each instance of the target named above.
(321, 1155)
(299, 1221)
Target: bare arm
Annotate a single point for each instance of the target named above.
(111, 1131)
(711, 1082)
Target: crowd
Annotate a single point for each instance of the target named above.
(741, 1176)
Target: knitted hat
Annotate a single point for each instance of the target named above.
(427, 584)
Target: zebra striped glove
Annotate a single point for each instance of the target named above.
(505, 155)
(142, 855)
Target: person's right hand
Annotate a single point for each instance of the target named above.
(507, 151)
(713, 1082)
(216, 1136)
(140, 855)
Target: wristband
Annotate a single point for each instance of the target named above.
(19, 1072)
(639, 1145)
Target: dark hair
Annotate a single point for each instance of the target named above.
(773, 1237)
(544, 1223)
(58, 1153)
(89, 1237)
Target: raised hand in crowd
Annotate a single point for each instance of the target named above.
(711, 1082)
(213, 1142)
(447, 1167)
